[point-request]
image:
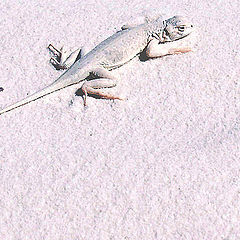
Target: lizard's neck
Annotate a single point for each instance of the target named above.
(155, 29)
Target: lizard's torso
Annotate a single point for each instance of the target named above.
(117, 49)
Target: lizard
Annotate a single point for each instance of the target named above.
(156, 38)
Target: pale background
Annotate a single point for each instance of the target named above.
(164, 164)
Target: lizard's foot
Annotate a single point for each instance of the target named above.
(134, 23)
(94, 87)
(62, 59)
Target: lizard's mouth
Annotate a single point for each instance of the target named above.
(166, 37)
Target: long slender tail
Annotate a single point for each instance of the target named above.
(55, 86)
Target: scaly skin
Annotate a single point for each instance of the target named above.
(115, 51)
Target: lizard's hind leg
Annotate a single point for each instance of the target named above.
(94, 87)
(62, 59)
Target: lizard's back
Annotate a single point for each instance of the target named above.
(118, 49)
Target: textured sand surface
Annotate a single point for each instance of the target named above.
(165, 164)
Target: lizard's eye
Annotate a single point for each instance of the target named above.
(181, 28)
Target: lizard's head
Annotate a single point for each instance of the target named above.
(175, 28)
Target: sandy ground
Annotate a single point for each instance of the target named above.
(162, 165)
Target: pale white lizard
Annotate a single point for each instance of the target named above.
(157, 38)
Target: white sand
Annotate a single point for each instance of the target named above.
(162, 165)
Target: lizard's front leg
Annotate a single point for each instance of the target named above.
(106, 80)
(156, 49)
